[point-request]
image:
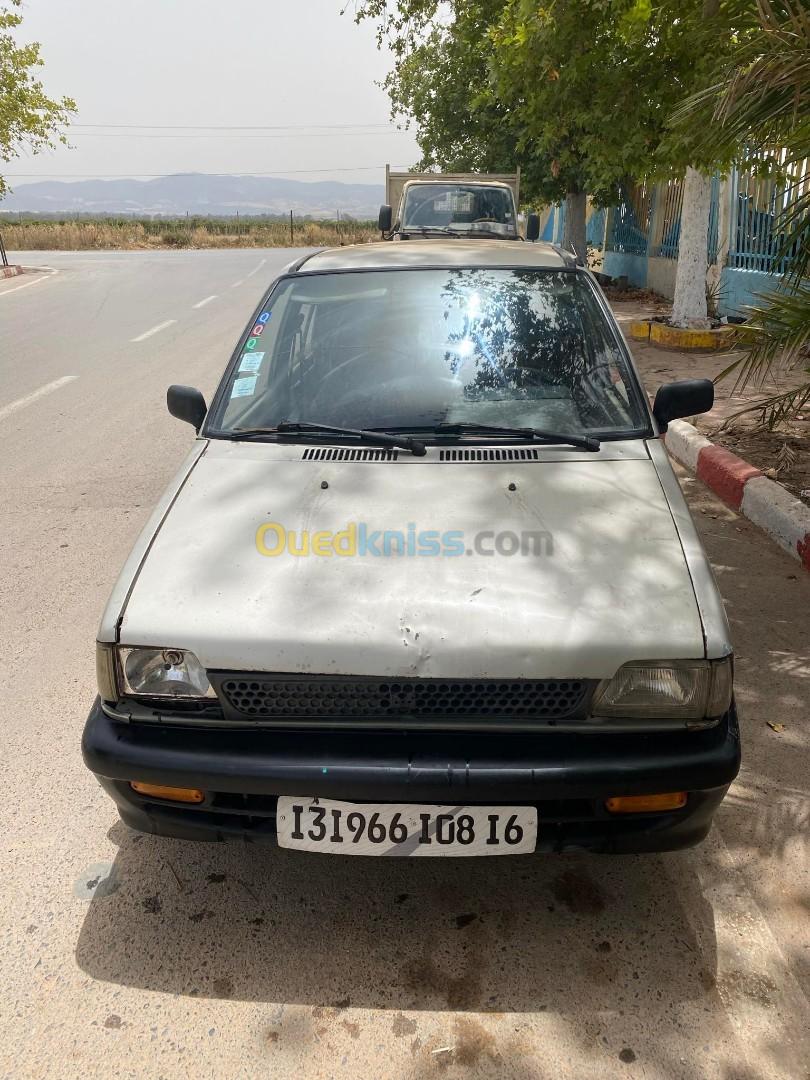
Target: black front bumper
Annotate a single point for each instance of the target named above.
(566, 776)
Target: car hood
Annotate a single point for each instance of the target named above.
(608, 581)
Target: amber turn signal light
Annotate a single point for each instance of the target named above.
(646, 804)
(160, 791)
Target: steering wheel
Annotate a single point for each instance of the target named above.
(379, 405)
(327, 381)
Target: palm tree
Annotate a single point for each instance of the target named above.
(761, 103)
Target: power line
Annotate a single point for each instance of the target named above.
(217, 135)
(226, 127)
(140, 176)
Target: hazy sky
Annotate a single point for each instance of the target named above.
(286, 64)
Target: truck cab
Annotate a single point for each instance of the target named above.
(466, 205)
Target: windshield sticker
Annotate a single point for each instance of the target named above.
(251, 343)
(258, 329)
(244, 387)
(264, 317)
(251, 361)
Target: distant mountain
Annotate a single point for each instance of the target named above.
(197, 193)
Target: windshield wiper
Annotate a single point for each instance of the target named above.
(301, 427)
(434, 230)
(584, 442)
(475, 232)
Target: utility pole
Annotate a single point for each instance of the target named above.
(292, 238)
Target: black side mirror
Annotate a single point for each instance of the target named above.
(686, 398)
(532, 227)
(385, 219)
(187, 403)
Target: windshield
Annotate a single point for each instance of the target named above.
(464, 208)
(411, 349)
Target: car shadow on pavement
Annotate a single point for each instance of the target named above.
(565, 933)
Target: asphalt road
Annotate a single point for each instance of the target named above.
(130, 956)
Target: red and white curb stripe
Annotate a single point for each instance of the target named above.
(743, 487)
(10, 271)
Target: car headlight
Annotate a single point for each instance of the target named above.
(667, 689)
(166, 673)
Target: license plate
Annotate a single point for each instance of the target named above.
(339, 828)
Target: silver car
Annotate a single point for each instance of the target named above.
(425, 583)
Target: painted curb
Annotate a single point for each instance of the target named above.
(639, 330)
(10, 271)
(780, 514)
(671, 337)
(725, 473)
(685, 442)
(743, 487)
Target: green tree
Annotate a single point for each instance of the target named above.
(758, 110)
(592, 83)
(695, 153)
(441, 82)
(29, 119)
(578, 93)
(596, 81)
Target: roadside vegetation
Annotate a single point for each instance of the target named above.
(578, 94)
(87, 233)
(590, 96)
(760, 105)
(29, 120)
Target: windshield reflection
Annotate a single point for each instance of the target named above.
(414, 348)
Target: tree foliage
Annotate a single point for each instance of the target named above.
(29, 119)
(594, 82)
(760, 101)
(441, 82)
(578, 93)
(581, 93)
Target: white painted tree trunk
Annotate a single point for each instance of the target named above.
(689, 304)
(574, 225)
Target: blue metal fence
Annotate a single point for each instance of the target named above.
(647, 220)
(595, 229)
(758, 206)
(714, 218)
(554, 227)
(668, 248)
(659, 233)
(631, 222)
(548, 229)
(745, 233)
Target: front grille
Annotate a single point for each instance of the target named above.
(347, 697)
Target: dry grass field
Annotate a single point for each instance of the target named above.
(86, 234)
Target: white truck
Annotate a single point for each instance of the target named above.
(470, 205)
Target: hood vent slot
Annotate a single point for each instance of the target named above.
(348, 453)
(517, 453)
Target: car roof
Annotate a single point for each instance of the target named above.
(413, 254)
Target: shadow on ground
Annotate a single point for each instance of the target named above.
(502, 935)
